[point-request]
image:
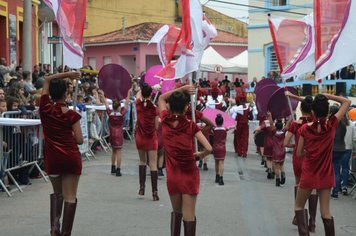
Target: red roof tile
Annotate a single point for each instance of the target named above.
(145, 31)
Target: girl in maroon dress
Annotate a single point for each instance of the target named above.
(146, 138)
(182, 173)
(241, 133)
(293, 131)
(116, 119)
(219, 149)
(279, 152)
(63, 162)
(315, 144)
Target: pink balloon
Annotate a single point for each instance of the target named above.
(167, 85)
(150, 79)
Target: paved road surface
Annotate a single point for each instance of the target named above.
(248, 204)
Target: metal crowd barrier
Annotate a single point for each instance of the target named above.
(20, 144)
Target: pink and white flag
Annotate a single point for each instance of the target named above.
(170, 39)
(335, 35)
(70, 17)
(294, 44)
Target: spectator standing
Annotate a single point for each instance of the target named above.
(5, 71)
(35, 74)
(28, 86)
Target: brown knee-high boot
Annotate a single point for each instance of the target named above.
(154, 178)
(302, 221)
(313, 203)
(176, 222)
(294, 221)
(68, 217)
(190, 227)
(56, 205)
(142, 174)
(329, 227)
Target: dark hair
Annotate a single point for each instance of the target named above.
(146, 90)
(177, 102)
(57, 89)
(219, 120)
(10, 101)
(279, 125)
(26, 74)
(320, 106)
(306, 104)
(333, 109)
(115, 104)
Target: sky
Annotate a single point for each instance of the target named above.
(237, 12)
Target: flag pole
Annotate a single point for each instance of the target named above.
(192, 104)
(289, 102)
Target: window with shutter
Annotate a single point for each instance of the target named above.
(276, 3)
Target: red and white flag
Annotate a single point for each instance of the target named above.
(294, 44)
(335, 35)
(70, 17)
(191, 40)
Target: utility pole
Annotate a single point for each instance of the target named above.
(27, 36)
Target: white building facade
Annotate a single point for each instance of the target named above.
(261, 56)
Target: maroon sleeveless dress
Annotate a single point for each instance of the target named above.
(317, 166)
(116, 119)
(146, 134)
(219, 146)
(297, 161)
(182, 171)
(61, 152)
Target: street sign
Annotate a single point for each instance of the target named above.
(218, 69)
(54, 40)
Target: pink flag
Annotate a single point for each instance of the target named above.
(70, 17)
(293, 41)
(335, 34)
(171, 39)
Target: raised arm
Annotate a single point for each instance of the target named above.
(345, 104)
(162, 100)
(127, 100)
(103, 99)
(70, 75)
(291, 95)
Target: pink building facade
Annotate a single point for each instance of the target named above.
(131, 50)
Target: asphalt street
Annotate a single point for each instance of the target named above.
(248, 203)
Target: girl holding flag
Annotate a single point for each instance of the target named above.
(182, 173)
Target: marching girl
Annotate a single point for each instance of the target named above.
(316, 144)
(306, 110)
(146, 138)
(182, 173)
(240, 113)
(219, 148)
(63, 162)
(116, 120)
(279, 152)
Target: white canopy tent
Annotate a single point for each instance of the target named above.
(212, 61)
(241, 60)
